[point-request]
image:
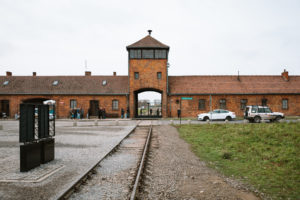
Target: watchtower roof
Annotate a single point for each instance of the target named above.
(148, 42)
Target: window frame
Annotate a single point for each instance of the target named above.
(203, 104)
(264, 102)
(222, 103)
(243, 104)
(136, 75)
(287, 104)
(113, 104)
(72, 104)
(159, 75)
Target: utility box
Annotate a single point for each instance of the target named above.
(47, 150)
(30, 156)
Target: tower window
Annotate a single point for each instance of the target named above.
(160, 53)
(136, 75)
(135, 53)
(149, 53)
(158, 75)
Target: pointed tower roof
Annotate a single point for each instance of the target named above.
(148, 42)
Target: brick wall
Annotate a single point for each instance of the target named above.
(147, 69)
(63, 103)
(233, 103)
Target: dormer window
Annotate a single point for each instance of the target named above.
(55, 83)
(104, 82)
(5, 82)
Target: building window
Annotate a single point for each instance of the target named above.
(201, 104)
(73, 104)
(158, 75)
(243, 104)
(160, 54)
(222, 103)
(148, 53)
(264, 102)
(285, 104)
(115, 105)
(135, 53)
(136, 75)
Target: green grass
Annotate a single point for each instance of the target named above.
(266, 156)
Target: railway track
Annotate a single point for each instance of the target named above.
(118, 174)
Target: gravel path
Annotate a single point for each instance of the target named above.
(174, 172)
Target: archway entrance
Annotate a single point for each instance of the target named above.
(148, 103)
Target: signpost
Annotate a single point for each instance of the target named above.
(183, 98)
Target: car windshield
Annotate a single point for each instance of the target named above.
(268, 110)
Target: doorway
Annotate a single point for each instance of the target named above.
(94, 108)
(148, 103)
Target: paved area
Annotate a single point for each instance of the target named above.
(77, 148)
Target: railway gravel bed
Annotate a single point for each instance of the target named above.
(115, 174)
(173, 172)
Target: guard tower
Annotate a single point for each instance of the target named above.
(147, 71)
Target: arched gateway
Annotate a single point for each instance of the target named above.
(147, 71)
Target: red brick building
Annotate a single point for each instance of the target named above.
(148, 71)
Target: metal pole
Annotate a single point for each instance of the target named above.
(210, 105)
(180, 111)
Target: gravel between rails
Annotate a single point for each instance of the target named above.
(174, 172)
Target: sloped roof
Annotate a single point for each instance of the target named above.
(148, 42)
(231, 85)
(67, 85)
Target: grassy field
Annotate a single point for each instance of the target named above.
(266, 156)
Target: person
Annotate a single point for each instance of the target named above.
(100, 113)
(127, 111)
(150, 111)
(103, 113)
(122, 113)
(157, 112)
(81, 113)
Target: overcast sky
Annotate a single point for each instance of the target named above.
(206, 37)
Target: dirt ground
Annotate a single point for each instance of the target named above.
(174, 172)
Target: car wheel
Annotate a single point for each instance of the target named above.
(257, 119)
(205, 118)
(278, 118)
(228, 118)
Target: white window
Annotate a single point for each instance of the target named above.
(115, 105)
(73, 104)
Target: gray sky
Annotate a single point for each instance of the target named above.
(206, 37)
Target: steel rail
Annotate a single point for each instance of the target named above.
(65, 194)
(138, 176)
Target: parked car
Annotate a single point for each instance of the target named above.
(218, 114)
(258, 113)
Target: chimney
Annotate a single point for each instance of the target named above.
(149, 31)
(8, 73)
(115, 73)
(33, 73)
(88, 73)
(285, 75)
